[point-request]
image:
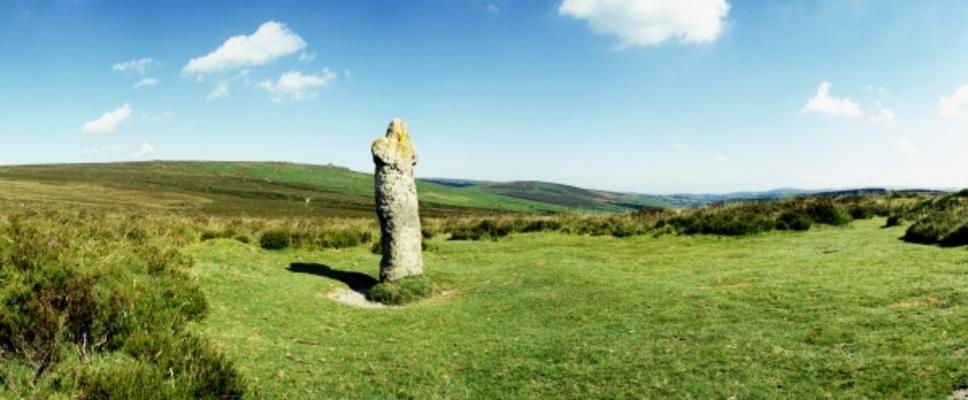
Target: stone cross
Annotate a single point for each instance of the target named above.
(396, 203)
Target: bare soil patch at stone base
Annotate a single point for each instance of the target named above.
(353, 298)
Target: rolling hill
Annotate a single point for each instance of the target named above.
(237, 188)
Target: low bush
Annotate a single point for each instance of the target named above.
(794, 220)
(826, 212)
(941, 221)
(275, 239)
(90, 313)
(401, 291)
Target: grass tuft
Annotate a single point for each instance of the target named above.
(401, 291)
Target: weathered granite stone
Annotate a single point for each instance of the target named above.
(396, 203)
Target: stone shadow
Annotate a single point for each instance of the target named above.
(357, 281)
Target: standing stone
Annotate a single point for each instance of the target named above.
(396, 203)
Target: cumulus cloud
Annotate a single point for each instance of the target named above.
(147, 82)
(294, 86)
(956, 105)
(905, 148)
(221, 90)
(824, 103)
(649, 22)
(109, 122)
(139, 66)
(146, 149)
(271, 41)
(883, 115)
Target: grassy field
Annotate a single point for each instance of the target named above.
(842, 312)
(152, 280)
(239, 189)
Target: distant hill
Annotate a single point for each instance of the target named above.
(287, 189)
(571, 197)
(237, 188)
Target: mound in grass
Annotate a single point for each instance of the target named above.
(942, 221)
(403, 291)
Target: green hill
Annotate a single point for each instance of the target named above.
(237, 188)
(562, 195)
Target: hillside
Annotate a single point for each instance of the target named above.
(563, 195)
(236, 188)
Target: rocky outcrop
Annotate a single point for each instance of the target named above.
(396, 203)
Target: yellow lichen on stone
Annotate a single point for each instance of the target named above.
(395, 146)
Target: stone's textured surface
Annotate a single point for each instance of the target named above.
(396, 203)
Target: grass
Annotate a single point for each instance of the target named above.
(844, 312)
(251, 189)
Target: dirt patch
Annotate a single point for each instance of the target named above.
(917, 303)
(353, 298)
(735, 285)
(960, 394)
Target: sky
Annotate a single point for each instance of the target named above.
(650, 96)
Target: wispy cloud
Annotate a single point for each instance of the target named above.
(102, 149)
(270, 41)
(650, 22)
(883, 115)
(879, 90)
(824, 103)
(140, 66)
(109, 122)
(147, 82)
(956, 105)
(294, 86)
(220, 91)
(145, 150)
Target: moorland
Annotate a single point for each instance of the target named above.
(212, 280)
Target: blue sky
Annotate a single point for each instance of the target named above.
(653, 96)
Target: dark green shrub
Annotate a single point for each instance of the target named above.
(958, 237)
(124, 378)
(940, 221)
(345, 238)
(402, 291)
(209, 235)
(826, 212)
(893, 220)
(793, 220)
(275, 239)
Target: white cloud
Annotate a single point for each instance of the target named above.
(722, 158)
(883, 115)
(147, 82)
(492, 8)
(956, 105)
(881, 90)
(905, 148)
(221, 90)
(109, 122)
(139, 66)
(649, 22)
(306, 56)
(102, 149)
(271, 41)
(294, 86)
(156, 118)
(677, 146)
(824, 103)
(146, 149)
